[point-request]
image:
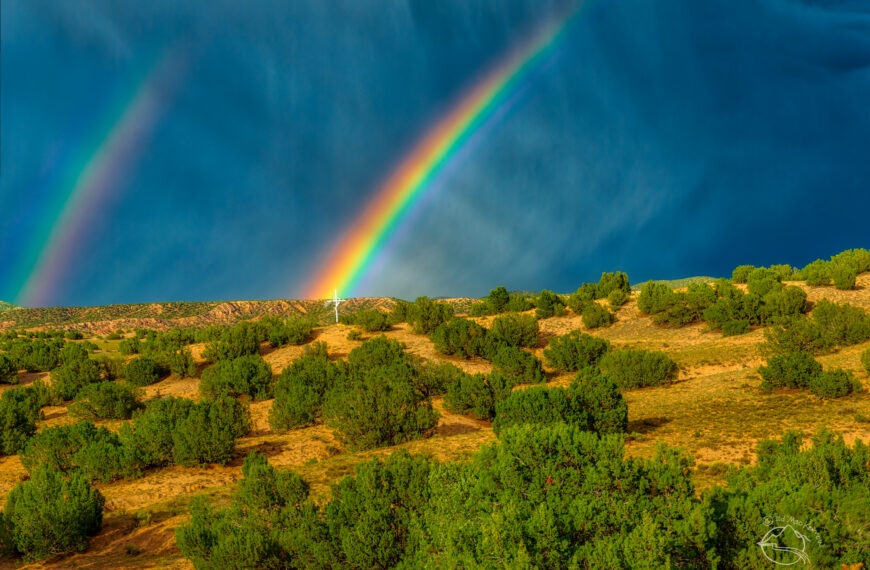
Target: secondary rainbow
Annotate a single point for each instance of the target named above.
(94, 179)
(359, 246)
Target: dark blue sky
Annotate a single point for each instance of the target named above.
(665, 139)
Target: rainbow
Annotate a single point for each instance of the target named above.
(95, 178)
(359, 247)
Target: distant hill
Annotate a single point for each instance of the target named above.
(4, 306)
(161, 316)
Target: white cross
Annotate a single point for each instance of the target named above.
(336, 301)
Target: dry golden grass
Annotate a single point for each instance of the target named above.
(715, 411)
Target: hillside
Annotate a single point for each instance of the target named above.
(715, 410)
(4, 306)
(165, 316)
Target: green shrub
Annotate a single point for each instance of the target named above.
(299, 392)
(19, 410)
(72, 352)
(762, 287)
(354, 335)
(112, 367)
(784, 272)
(243, 535)
(611, 282)
(376, 399)
(548, 304)
(518, 303)
(105, 400)
(436, 376)
(73, 335)
(209, 432)
(595, 316)
(636, 368)
(498, 299)
(150, 434)
(371, 320)
(818, 484)
(591, 403)
(733, 328)
(114, 336)
(238, 340)
(841, 324)
(424, 315)
(541, 406)
(8, 370)
(790, 370)
(582, 297)
(617, 297)
(843, 276)
(462, 337)
(143, 371)
(865, 359)
(249, 375)
(129, 346)
(655, 298)
(514, 329)
(519, 366)
(477, 395)
(608, 412)
(555, 496)
(797, 333)
(856, 259)
(81, 448)
(293, 331)
(741, 273)
(783, 302)
(67, 380)
(834, 384)
(180, 362)
(573, 351)
(50, 515)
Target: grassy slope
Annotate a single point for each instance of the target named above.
(715, 411)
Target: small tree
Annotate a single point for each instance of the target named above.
(462, 337)
(549, 304)
(299, 392)
(67, 380)
(19, 410)
(791, 370)
(209, 432)
(611, 282)
(377, 399)
(105, 400)
(8, 371)
(518, 365)
(249, 375)
(477, 394)
(654, 298)
(617, 297)
(844, 276)
(515, 329)
(635, 368)
(49, 515)
(865, 359)
(143, 371)
(834, 384)
(575, 350)
(741, 273)
(595, 316)
(424, 315)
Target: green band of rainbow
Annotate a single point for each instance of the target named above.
(361, 244)
(95, 178)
